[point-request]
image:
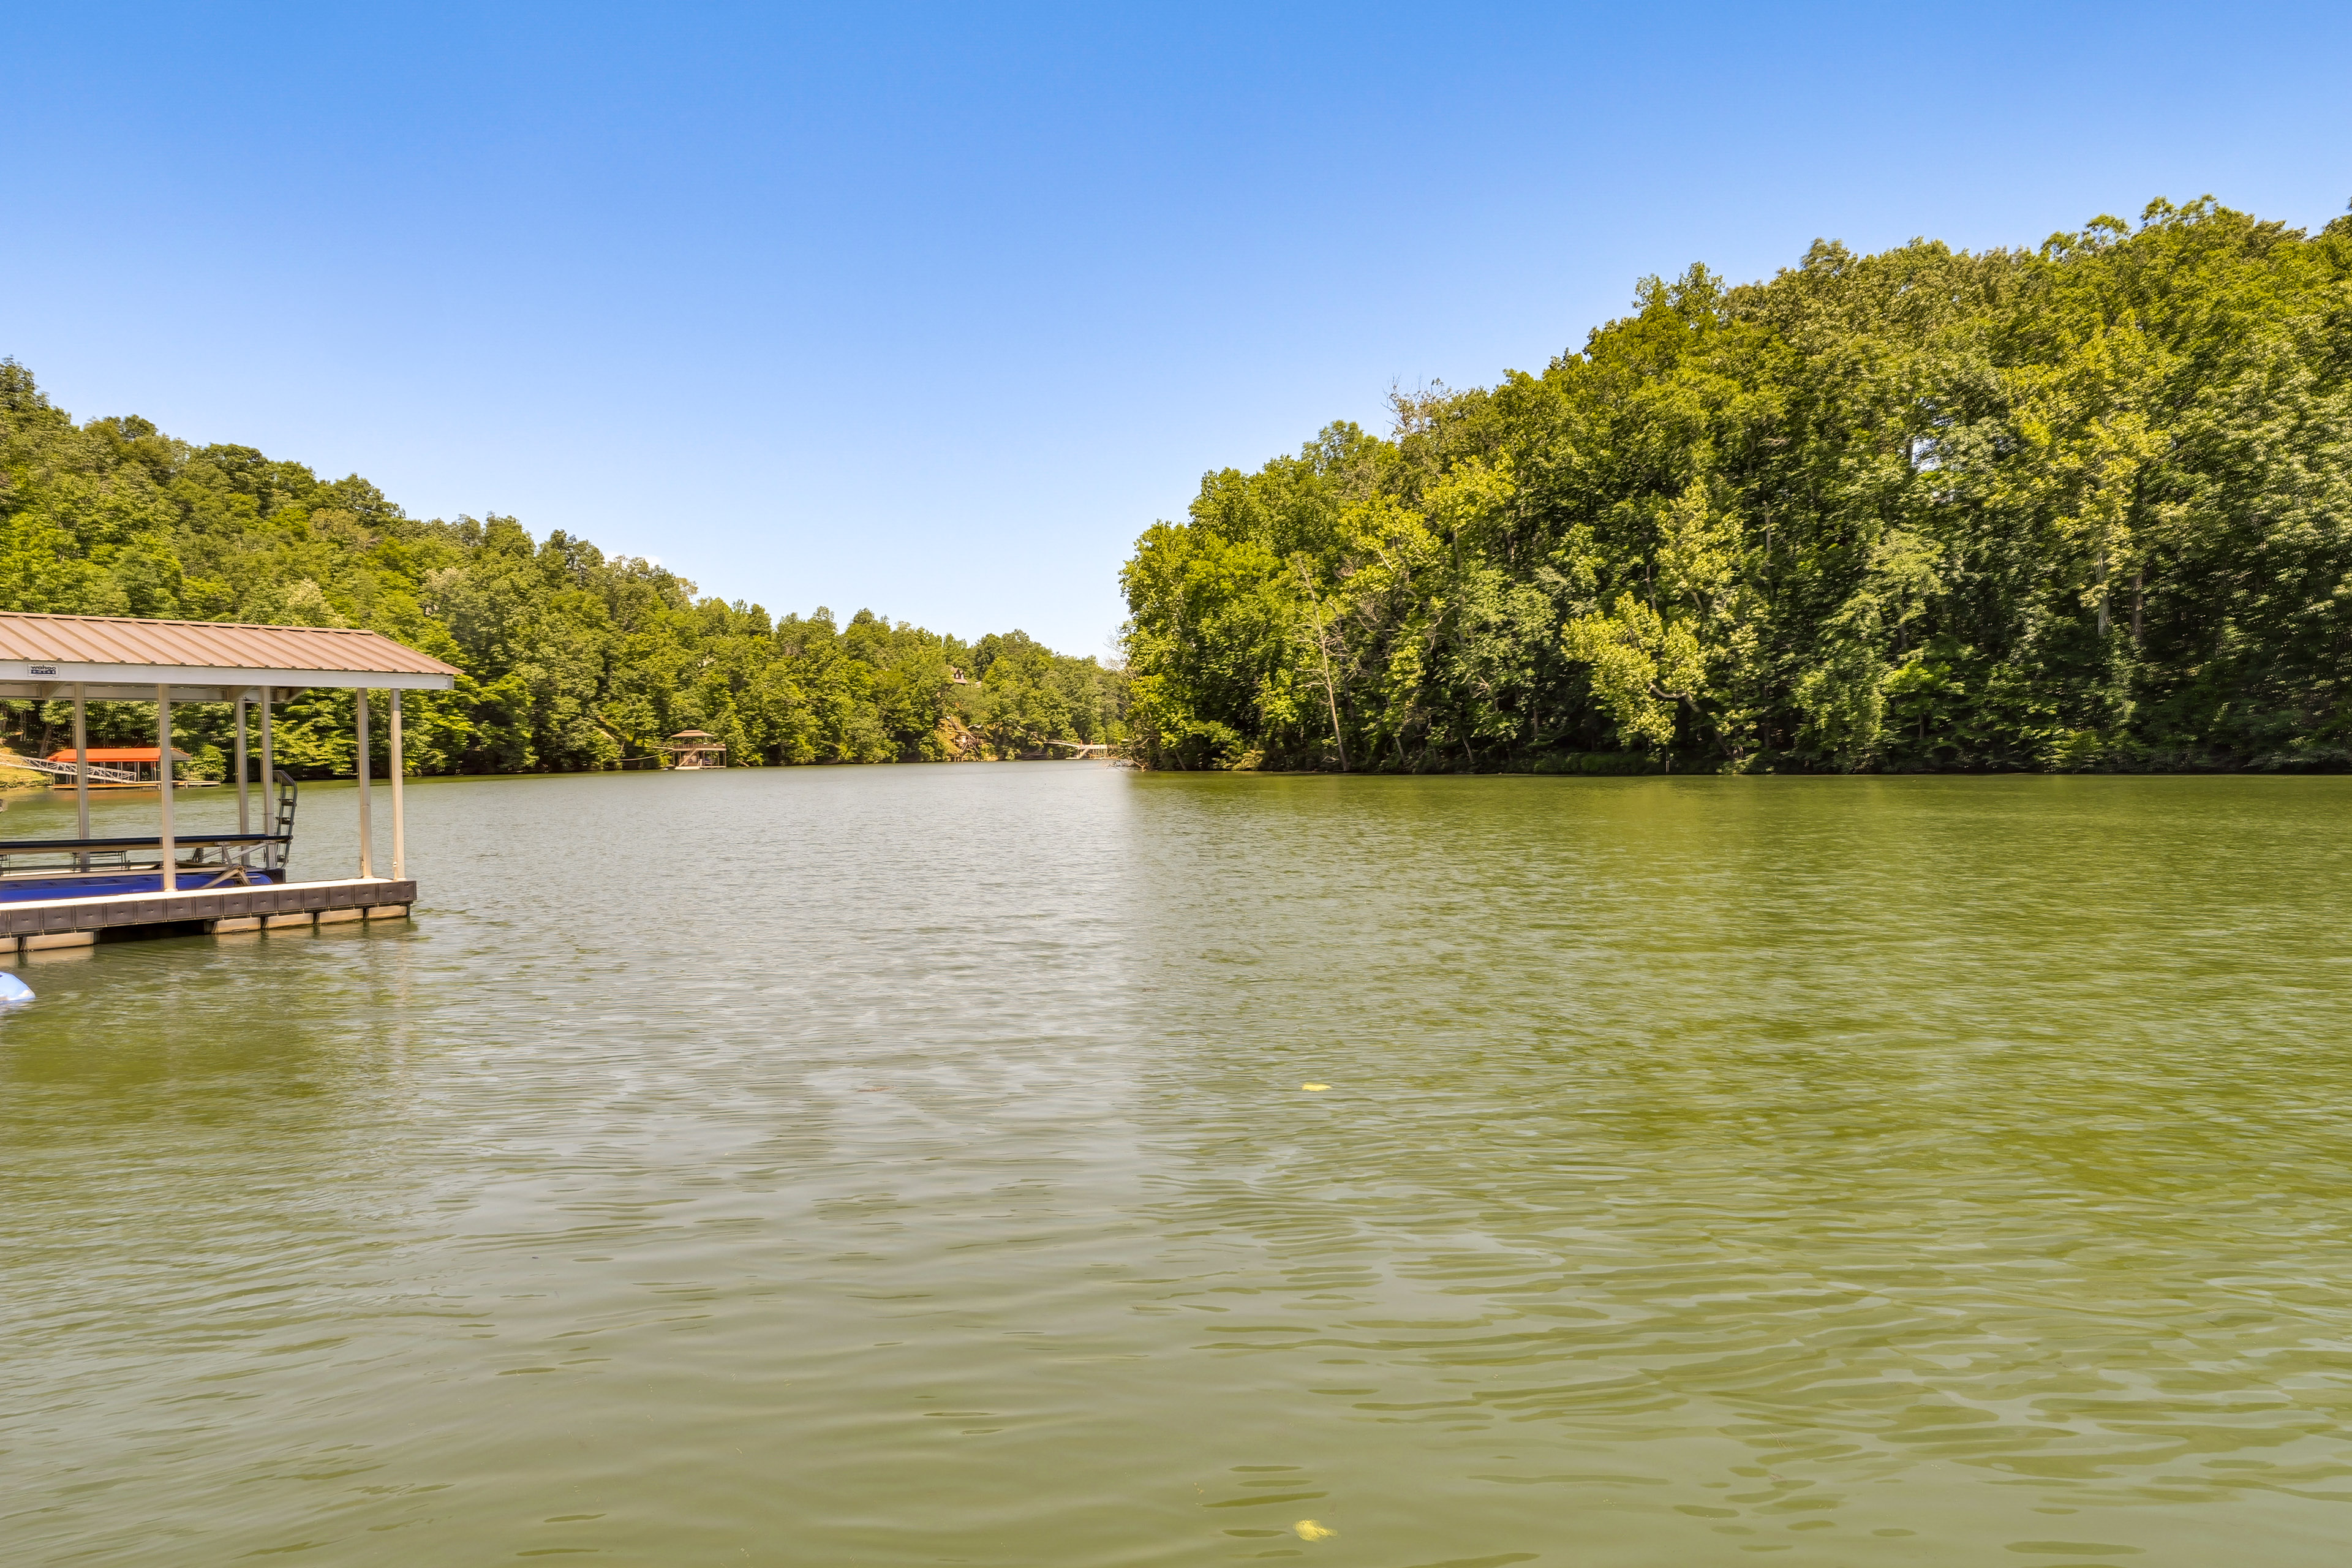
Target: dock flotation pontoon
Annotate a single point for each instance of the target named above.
(60, 892)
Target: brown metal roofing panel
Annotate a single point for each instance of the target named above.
(209, 644)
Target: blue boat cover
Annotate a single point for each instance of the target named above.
(103, 884)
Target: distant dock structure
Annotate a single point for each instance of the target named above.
(692, 750)
(1082, 750)
(73, 892)
(106, 767)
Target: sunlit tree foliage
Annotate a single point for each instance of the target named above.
(572, 660)
(2088, 505)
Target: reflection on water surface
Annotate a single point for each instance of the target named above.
(878, 1166)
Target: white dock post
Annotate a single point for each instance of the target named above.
(274, 856)
(163, 782)
(367, 847)
(244, 819)
(81, 774)
(399, 826)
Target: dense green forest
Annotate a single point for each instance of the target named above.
(573, 660)
(2082, 506)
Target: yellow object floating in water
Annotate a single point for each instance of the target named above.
(1310, 1531)
(1314, 1088)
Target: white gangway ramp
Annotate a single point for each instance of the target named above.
(220, 881)
(66, 770)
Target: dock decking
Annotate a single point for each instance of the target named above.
(32, 925)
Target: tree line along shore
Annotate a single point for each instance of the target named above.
(573, 660)
(2081, 506)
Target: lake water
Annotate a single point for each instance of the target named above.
(913, 1165)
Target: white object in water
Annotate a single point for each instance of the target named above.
(12, 989)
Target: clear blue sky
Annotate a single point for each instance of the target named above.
(933, 311)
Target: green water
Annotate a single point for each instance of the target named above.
(911, 1166)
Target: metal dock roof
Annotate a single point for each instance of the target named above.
(45, 656)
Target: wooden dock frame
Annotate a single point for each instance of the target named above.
(35, 926)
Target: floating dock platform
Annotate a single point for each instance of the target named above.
(31, 926)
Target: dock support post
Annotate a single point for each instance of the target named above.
(399, 825)
(243, 815)
(274, 857)
(164, 783)
(367, 849)
(82, 775)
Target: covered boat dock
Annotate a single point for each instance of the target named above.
(66, 892)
